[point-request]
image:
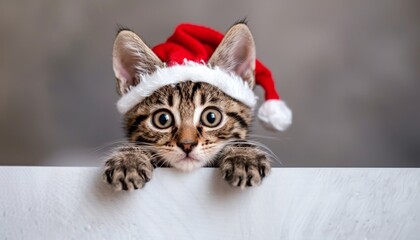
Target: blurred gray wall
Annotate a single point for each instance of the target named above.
(350, 70)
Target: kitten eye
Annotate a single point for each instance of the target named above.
(162, 119)
(211, 117)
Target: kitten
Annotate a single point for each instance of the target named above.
(186, 125)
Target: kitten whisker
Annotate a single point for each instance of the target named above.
(265, 137)
(257, 144)
(123, 143)
(101, 147)
(162, 159)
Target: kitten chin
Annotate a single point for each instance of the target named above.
(199, 157)
(188, 164)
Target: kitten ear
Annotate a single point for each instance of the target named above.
(236, 53)
(131, 58)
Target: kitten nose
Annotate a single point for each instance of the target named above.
(187, 146)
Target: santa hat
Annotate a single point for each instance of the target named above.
(186, 54)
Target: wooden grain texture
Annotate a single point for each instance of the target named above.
(293, 203)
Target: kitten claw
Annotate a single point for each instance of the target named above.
(127, 174)
(245, 170)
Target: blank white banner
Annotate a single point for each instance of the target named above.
(292, 203)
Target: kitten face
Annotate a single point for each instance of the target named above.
(186, 125)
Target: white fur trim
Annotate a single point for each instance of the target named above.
(229, 83)
(275, 115)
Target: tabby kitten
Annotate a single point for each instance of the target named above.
(186, 125)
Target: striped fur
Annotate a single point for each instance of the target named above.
(188, 143)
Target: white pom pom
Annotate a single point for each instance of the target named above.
(275, 115)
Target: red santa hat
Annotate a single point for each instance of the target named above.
(186, 54)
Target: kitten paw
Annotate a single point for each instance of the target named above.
(123, 173)
(245, 170)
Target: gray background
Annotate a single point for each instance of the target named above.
(348, 69)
